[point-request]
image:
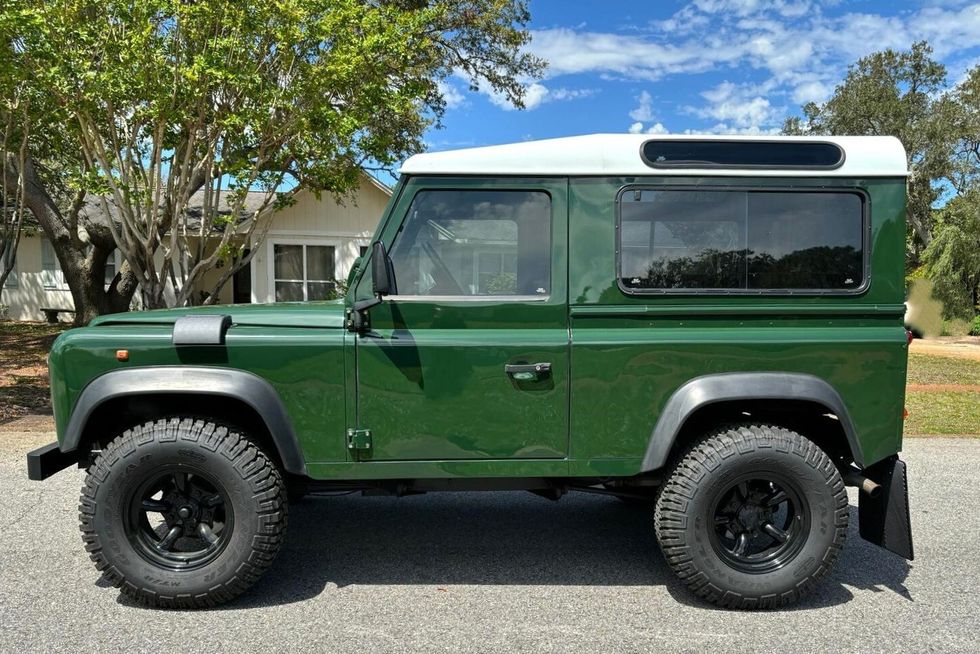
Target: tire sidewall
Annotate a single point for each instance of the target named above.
(115, 493)
(817, 495)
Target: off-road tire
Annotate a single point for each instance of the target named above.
(253, 487)
(685, 515)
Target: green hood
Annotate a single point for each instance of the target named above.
(328, 314)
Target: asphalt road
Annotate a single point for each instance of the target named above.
(494, 572)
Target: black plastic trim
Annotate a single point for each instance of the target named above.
(725, 387)
(884, 520)
(238, 384)
(49, 460)
(200, 330)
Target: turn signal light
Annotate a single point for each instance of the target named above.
(122, 355)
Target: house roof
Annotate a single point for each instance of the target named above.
(620, 154)
(195, 204)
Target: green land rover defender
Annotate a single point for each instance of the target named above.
(711, 327)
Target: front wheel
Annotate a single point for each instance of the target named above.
(182, 513)
(752, 517)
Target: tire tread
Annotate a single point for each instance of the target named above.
(255, 467)
(703, 458)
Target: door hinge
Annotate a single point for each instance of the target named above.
(359, 439)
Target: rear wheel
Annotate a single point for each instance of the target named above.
(182, 513)
(752, 517)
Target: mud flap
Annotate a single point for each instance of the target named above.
(884, 520)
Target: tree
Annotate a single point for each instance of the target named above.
(902, 94)
(147, 102)
(952, 260)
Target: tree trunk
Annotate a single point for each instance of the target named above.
(82, 263)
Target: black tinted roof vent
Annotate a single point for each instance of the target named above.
(741, 154)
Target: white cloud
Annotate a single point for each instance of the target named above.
(743, 106)
(537, 94)
(656, 128)
(644, 111)
(452, 95)
(798, 49)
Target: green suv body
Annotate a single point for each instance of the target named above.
(713, 327)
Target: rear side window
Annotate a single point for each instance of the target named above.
(475, 243)
(726, 241)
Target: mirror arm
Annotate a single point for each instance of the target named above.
(363, 305)
(358, 318)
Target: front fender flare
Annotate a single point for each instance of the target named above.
(725, 387)
(198, 380)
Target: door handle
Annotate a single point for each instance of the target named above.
(527, 371)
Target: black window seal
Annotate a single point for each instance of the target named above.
(692, 165)
(749, 292)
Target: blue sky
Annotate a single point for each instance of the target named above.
(707, 66)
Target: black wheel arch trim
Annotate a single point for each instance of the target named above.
(725, 387)
(198, 380)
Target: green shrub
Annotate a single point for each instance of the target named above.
(975, 327)
(955, 327)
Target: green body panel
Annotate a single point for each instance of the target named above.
(630, 353)
(305, 365)
(430, 373)
(428, 379)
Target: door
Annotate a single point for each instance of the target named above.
(469, 358)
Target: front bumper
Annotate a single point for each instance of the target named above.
(46, 461)
(884, 520)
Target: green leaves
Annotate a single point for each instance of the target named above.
(151, 101)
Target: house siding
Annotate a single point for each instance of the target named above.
(346, 226)
(25, 299)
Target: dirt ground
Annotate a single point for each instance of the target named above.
(24, 386)
(957, 347)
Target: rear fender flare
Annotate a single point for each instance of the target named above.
(711, 389)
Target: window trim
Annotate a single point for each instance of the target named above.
(784, 292)
(714, 166)
(272, 242)
(516, 299)
(59, 283)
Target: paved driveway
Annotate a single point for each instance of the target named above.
(493, 572)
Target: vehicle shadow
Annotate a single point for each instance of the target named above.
(503, 539)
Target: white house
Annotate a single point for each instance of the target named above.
(310, 244)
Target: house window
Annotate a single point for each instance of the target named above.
(111, 267)
(475, 243)
(732, 240)
(303, 272)
(52, 278)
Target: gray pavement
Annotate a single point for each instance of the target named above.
(494, 572)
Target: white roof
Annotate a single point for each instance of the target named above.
(619, 154)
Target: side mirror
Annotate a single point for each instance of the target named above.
(382, 283)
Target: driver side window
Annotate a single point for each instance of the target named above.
(475, 243)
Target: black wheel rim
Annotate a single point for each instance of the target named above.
(179, 518)
(759, 523)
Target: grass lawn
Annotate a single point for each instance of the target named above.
(943, 396)
(931, 369)
(23, 368)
